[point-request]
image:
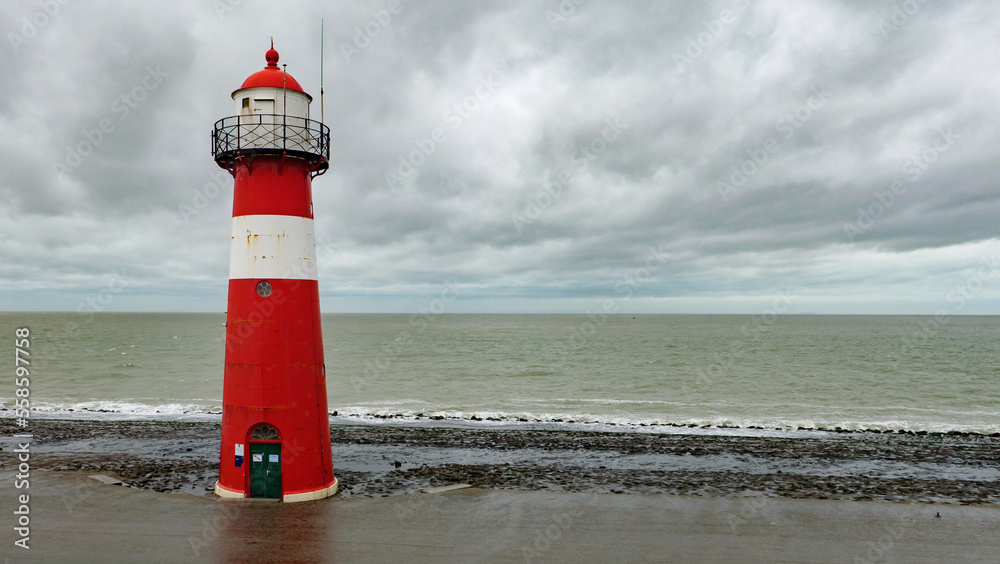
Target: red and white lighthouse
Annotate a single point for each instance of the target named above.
(275, 424)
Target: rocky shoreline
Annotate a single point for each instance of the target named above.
(381, 460)
(474, 418)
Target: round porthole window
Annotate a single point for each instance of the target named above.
(264, 288)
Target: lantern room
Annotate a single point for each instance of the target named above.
(271, 118)
(272, 91)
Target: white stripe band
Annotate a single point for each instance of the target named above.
(273, 246)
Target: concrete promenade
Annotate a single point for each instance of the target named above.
(77, 519)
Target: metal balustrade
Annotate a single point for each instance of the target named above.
(255, 134)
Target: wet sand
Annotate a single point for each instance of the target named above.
(388, 460)
(77, 519)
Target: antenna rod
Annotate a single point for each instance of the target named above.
(284, 105)
(321, 70)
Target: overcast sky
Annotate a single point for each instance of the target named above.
(675, 157)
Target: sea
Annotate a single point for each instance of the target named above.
(715, 374)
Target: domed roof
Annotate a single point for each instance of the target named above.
(272, 76)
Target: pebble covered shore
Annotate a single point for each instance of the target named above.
(380, 460)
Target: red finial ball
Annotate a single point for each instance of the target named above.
(271, 56)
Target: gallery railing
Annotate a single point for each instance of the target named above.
(251, 134)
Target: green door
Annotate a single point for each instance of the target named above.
(265, 470)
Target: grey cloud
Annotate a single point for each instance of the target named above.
(558, 80)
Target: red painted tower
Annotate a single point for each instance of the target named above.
(275, 425)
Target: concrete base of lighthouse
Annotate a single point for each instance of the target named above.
(227, 493)
(310, 496)
(287, 498)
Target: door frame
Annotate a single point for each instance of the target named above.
(249, 457)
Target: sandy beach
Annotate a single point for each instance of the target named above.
(78, 519)
(537, 496)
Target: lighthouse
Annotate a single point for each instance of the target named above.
(275, 424)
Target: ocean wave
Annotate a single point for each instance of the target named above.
(123, 409)
(419, 411)
(713, 425)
